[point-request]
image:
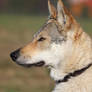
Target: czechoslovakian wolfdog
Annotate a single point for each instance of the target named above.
(63, 47)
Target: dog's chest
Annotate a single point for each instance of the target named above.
(56, 74)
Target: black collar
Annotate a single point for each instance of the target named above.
(74, 74)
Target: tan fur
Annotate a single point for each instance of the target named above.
(34, 47)
(52, 10)
(30, 49)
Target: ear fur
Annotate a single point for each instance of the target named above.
(61, 12)
(52, 10)
(63, 16)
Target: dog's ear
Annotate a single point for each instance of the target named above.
(52, 10)
(64, 16)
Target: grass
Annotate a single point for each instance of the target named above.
(15, 31)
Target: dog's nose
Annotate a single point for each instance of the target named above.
(14, 55)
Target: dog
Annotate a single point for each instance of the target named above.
(62, 46)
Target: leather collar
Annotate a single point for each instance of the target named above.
(74, 74)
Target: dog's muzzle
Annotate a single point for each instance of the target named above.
(14, 55)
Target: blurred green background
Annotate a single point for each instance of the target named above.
(19, 20)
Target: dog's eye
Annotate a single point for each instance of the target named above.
(41, 39)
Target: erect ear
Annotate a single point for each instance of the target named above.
(52, 10)
(64, 16)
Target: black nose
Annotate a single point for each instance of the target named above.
(14, 55)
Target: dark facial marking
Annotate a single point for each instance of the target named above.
(39, 64)
(41, 39)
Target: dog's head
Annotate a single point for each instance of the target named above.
(52, 43)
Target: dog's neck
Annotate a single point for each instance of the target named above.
(75, 63)
(62, 77)
(74, 74)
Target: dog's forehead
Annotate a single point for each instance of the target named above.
(50, 27)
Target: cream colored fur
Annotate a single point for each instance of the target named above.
(81, 57)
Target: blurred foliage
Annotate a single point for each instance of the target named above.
(24, 6)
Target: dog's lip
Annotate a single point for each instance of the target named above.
(39, 64)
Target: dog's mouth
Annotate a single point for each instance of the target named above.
(39, 64)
